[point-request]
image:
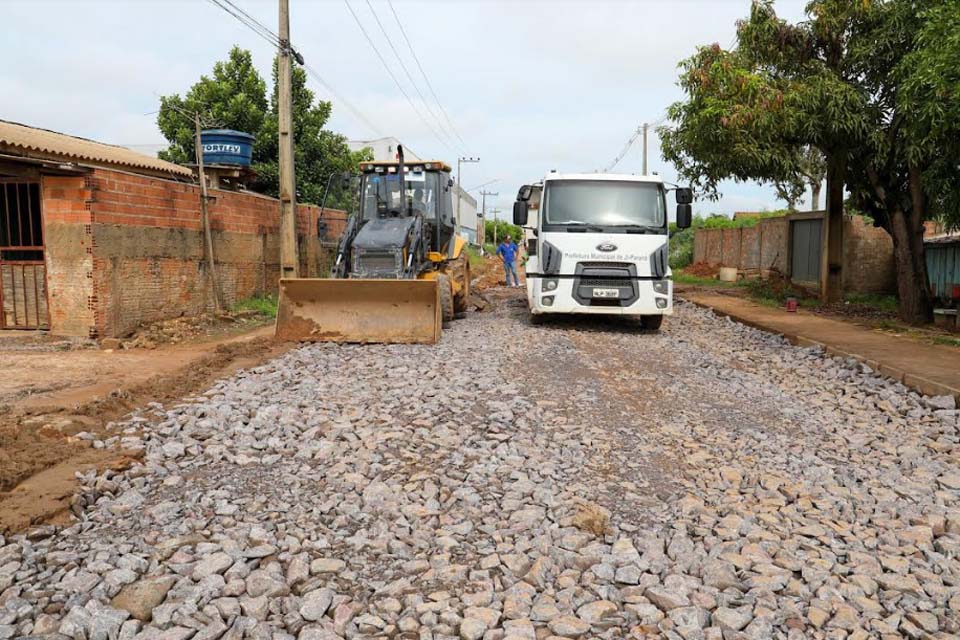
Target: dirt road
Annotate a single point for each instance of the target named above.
(574, 480)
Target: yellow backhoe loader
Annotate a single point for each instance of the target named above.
(400, 272)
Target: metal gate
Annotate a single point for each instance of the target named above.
(23, 276)
(805, 247)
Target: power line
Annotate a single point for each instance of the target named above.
(343, 101)
(267, 34)
(626, 147)
(256, 22)
(407, 72)
(393, 76)
(424, 74)
(248, 21)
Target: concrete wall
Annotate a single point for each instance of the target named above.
(125, 249)
(868, 251)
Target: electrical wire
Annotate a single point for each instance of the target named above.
(267, 34)
(343, 101)
(424, 74)
(247, 21)
(626, 147)
(403, 66)
(393, 76)
(262, 27)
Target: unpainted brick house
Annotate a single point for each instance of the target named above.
(97, 239)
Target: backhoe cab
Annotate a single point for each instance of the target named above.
(400, 271)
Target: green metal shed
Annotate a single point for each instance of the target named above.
(943, 265)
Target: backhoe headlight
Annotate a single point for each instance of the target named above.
(661, 286)
(550, 284)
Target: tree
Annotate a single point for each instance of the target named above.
(855, 82)
(235, 97)
(318, 153)
(811, 172)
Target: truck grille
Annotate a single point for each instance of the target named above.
(605, 282)
(605, 275)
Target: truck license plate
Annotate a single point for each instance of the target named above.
(606, 293)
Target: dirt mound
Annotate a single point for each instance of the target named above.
(702, 270)
(190, 328)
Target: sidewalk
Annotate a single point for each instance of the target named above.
(933, 370)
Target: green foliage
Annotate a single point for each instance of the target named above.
(262, 305)
(503, 228)
(474, 255)
(235, 97)
(681, 277)
(873, 301)
(775, 291)
(872, 85)
(930, 94)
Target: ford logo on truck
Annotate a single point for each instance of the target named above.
(606, 247)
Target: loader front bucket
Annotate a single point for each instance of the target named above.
(337, 310)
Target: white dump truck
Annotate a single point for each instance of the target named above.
(598, 244)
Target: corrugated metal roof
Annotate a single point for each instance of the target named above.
(33, 142)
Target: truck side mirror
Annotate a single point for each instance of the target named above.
(520, 210)
(684, 195)
(684, 215)
(524, 194)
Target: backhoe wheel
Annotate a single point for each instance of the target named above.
(460, 271)
(446, 297)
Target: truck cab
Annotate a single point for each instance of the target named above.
(598, 244)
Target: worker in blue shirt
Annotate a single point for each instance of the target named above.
(508, 251)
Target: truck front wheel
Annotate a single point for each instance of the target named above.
(651, 323)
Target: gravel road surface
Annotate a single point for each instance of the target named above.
(579, 479)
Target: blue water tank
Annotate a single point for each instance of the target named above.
(225, 146)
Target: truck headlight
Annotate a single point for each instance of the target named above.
(550, 284)
(661, 286)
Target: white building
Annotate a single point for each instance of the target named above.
(385, 150)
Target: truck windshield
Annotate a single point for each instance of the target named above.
(604, 203)
(381, 194)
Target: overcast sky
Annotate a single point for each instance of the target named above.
(530, 86)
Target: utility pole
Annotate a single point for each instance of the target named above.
(461, 160)
(483, 208)
(289, 260)
(205, 214)
(645, 127)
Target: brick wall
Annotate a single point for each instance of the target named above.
(868, 265)
(68, 238)
(140, 257)
(868, 252)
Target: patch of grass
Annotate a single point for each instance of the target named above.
(949, 341)
(873, 301)
(889, 325)
(263, 305)
(474, 254)
(688, 278)
(773, 292)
